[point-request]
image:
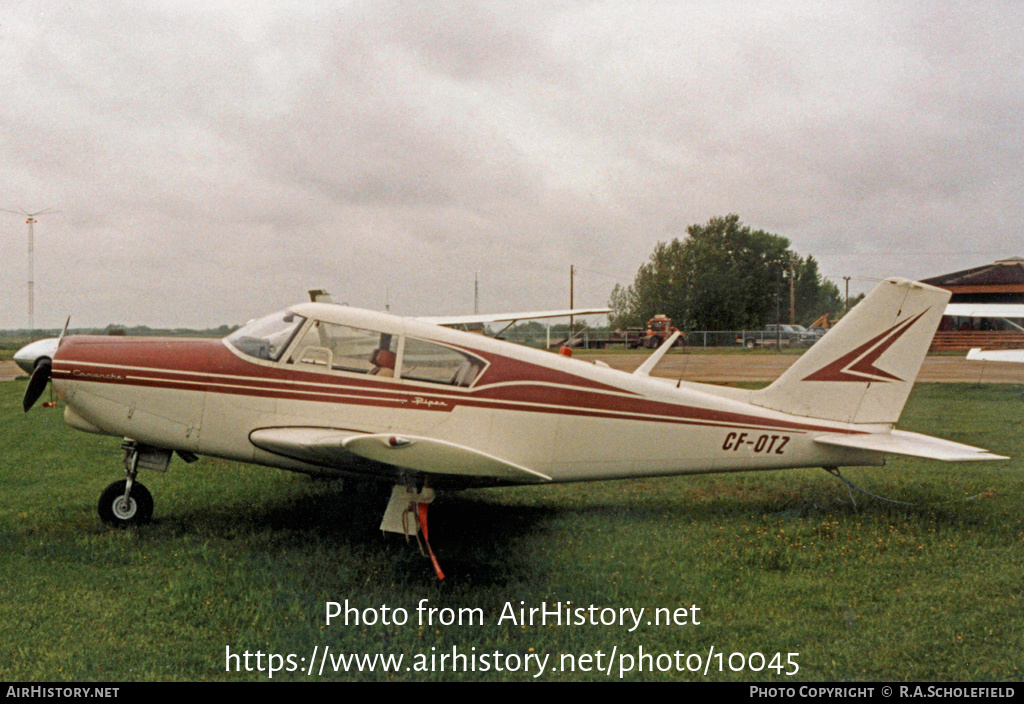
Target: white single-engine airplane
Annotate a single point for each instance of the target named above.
(328, 389)
(990, 310)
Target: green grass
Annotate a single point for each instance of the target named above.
(247, 557)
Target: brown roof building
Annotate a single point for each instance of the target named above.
(999, 282)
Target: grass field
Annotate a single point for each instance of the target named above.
(247, 558)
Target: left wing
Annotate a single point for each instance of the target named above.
(448, 321)
(322, 296)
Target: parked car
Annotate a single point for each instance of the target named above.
(782, 335)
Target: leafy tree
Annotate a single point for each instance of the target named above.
(814, 295)
(723, 276)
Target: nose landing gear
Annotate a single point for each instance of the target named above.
(127, 502)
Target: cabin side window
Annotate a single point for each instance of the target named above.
(347, 349)
(427, 361)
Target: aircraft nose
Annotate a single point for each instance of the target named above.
(28, 356)
(23, 361)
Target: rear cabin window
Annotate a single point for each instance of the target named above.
(427, 361)
(347, 349)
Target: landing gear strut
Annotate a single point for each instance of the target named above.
(127, 503)
(407, 514)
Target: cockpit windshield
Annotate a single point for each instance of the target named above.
(266, 338)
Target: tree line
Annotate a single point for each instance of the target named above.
(725, 276)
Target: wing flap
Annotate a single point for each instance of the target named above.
(438, 457)
(901, 442)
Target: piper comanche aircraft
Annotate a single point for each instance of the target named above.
(328, 389)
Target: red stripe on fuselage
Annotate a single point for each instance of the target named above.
(208, 365)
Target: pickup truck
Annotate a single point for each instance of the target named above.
(784, 335)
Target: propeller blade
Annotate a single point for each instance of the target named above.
(36, 384)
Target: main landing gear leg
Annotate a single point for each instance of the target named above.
(127, 502)
(407, 514)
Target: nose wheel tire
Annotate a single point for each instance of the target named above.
(118, 512)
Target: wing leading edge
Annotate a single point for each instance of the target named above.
(511, 317)
(340, 448)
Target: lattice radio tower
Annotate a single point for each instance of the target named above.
(31, 220)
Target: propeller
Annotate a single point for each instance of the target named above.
(41, 375)
(37, 383)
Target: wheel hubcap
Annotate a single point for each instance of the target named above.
(124, 510)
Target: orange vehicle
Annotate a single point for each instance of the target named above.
(659, 329)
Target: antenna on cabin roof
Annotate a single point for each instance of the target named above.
(31, 220)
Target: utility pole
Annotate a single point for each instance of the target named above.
(31, 260)
(847, 308)
(778, 313)
(792, 292)
(476, 292)
(572, 274)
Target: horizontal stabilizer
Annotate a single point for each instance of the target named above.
(901, 442)
(438, 457)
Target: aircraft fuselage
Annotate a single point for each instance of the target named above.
(564, 419)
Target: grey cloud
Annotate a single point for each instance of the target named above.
(214, 159)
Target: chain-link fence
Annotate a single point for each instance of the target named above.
(604, 339)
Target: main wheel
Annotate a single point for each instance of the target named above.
(116, 512)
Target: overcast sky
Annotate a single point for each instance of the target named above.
(210, 161)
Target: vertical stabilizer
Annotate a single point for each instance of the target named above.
(863, 369)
